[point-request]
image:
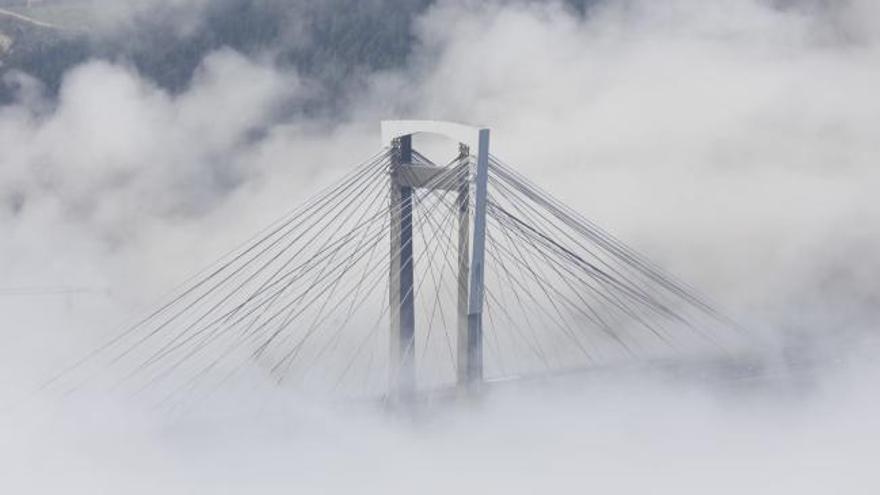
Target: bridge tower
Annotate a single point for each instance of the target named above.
(407, 176)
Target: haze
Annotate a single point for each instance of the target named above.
(733, 142)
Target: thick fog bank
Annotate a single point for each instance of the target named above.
(733, 142)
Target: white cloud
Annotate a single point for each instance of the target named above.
(735, 141)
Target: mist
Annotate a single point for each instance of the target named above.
(734, 143)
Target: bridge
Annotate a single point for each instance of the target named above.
(409, 276)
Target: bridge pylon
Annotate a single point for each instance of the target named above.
(405, 177)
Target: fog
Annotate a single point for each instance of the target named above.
(735, 143)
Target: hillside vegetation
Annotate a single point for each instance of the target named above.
(332, 41)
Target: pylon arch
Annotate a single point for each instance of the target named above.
(406, 176)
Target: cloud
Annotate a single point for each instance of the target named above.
(727, 137)
(733, 141)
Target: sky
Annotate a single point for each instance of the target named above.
(733, 142)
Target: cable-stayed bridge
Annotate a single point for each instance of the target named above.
(409, 276)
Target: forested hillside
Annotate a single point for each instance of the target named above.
(330, 40)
